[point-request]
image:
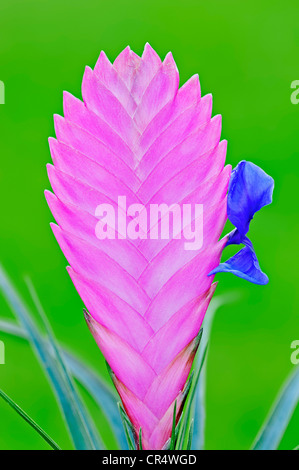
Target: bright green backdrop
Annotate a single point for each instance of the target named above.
(246, 54)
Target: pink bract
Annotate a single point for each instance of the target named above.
(137, 134)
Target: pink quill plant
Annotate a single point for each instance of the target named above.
(137, 135)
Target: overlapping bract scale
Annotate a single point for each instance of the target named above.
(137, 134)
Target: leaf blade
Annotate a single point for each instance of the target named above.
(79, 435)
(199, 398)
(73, 394)
(29, 420)
(173, 437)
(102, 394)
(279, 417)
(127, 427)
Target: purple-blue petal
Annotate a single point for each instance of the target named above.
(250, 189)
(244, 264)
(234, 238)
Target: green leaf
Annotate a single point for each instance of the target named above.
(102, 394)
(76, 425)
(7, 326)
(198, 410)
(276, 424)
(30, 421)
(195, 406)
(183, 441)
(140, 439)
(173, 436)
(183, 434)
(190, 434)
(129, 430)
(88, 423)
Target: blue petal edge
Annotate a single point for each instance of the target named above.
(244, 264)
(250, 189)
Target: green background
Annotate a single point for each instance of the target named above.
(246, 54)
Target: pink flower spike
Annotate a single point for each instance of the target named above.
(140, 201)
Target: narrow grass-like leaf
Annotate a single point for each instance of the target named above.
(198, 410)
(7, 326)
(183, 439)
(102, 394)
(129, 431)
(29, 420)
(79, 434)
(89, 425)
(173, 437)
(277, 422)
(179, 430)
(140, 439)
(190, 434)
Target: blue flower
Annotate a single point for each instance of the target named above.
(250, 189)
